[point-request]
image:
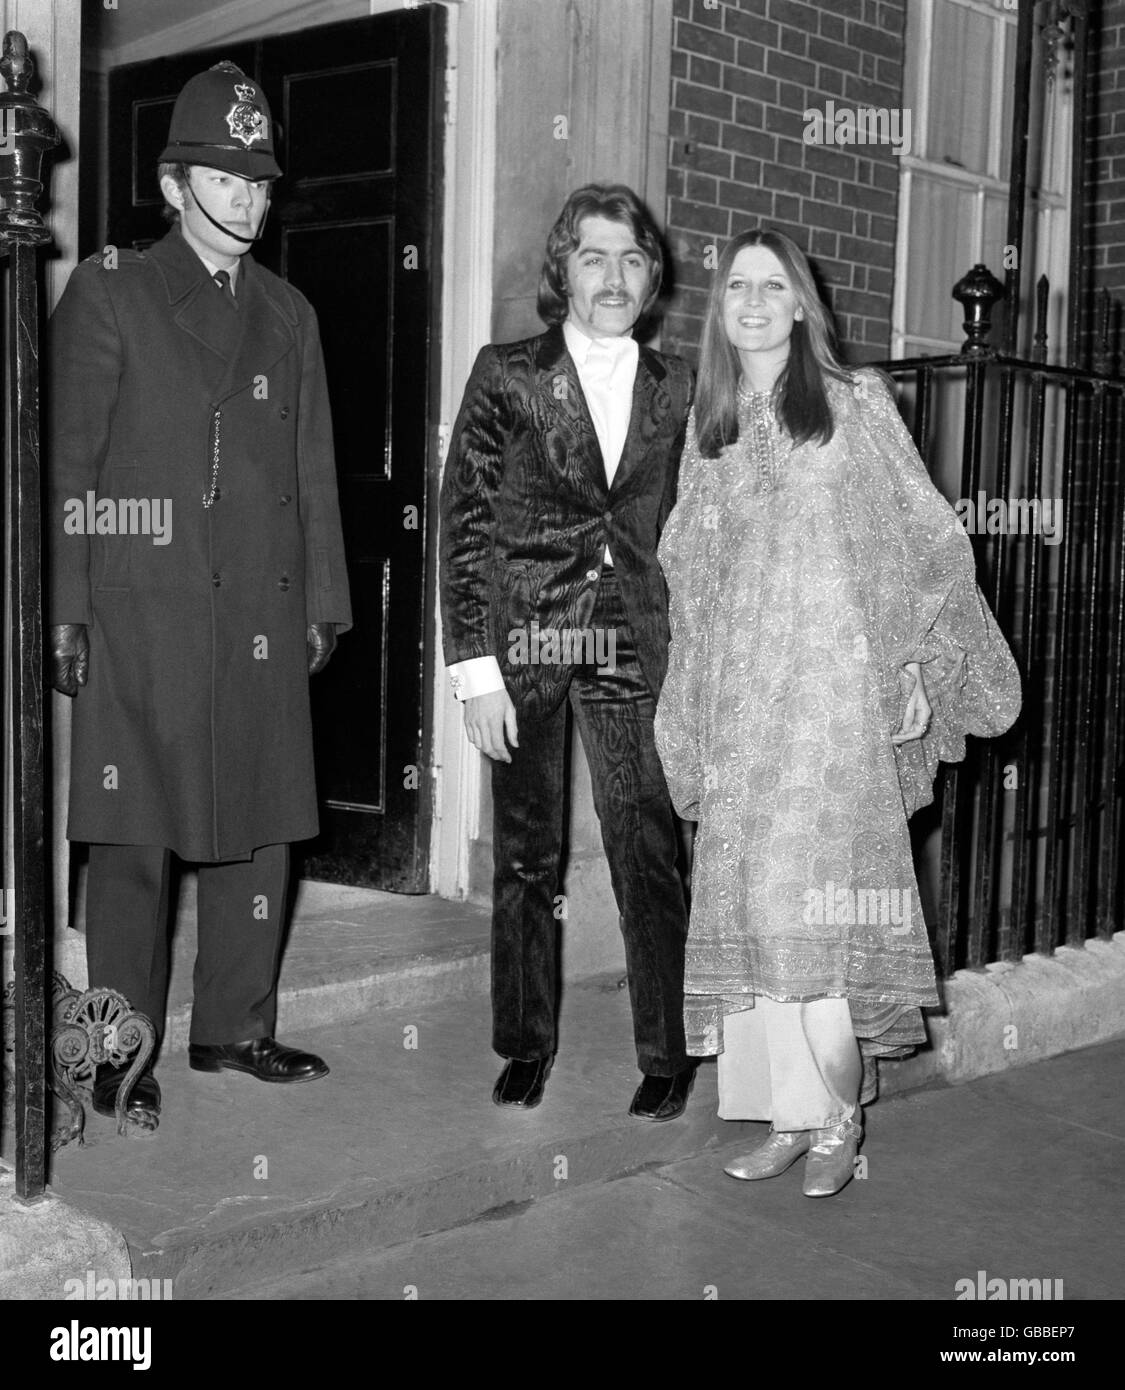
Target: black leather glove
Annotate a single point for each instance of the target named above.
(321, 642)
(70, 657)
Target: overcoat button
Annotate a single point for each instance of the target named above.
(284, 412)
(591, 575)
(218, 494)
(217, 580)
(608, 518)
(286, 498)
(283, 583)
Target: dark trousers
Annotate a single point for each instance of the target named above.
(614, 716)
(241, 916)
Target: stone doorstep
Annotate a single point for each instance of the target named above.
(348, 950)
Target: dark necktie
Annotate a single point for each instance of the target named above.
(222, 279)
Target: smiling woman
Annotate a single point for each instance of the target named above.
(814, 573)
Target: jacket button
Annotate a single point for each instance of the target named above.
(217, 580)
(591, 575)
(218, 494)
(285, 498)
(284, 412)
(608, 518)
(283, 583)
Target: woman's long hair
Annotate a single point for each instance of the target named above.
(800, 393)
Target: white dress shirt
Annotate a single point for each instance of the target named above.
(607, 371)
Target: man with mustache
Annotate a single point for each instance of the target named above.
(192, 374)
(560, 474)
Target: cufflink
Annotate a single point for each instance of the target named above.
(457, 682)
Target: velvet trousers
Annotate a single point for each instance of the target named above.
(241, 915)
(613, 713)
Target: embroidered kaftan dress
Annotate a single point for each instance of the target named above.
(800, 582)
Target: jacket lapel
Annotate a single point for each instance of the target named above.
(560, 392)
(650, 407)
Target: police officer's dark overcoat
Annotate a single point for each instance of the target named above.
(193, 731)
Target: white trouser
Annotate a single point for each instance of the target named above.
(795, 1064)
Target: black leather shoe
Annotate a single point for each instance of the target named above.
(264, 1058)
(521, 1083)
(143, 1105)
(663, 1097)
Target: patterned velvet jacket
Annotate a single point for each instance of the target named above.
(526, 513)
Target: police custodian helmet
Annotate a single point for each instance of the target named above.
(222, 119)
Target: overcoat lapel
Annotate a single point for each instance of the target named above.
(267, 327)
(268, 332)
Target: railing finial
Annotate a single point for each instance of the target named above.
(26, 133)
(977, 292)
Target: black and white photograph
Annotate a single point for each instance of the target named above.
(563, 653)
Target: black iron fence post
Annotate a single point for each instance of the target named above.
(27, 133)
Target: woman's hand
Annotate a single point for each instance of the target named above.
(916, 719)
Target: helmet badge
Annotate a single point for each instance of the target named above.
(245, 120)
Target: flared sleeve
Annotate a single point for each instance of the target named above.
(921, 590)
(687, 547)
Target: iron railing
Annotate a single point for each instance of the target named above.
(28, 132)
(1032, 822)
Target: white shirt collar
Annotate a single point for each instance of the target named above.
(213, 269)
(578, 344)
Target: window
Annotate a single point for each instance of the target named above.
(959, 86)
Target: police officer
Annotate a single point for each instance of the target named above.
(196, 581)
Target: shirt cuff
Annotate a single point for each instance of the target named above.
(480, 675)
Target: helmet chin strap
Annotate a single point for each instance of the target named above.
(226, 231)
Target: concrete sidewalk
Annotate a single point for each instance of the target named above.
(247, 1188)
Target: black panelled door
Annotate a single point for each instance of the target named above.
(353, 225)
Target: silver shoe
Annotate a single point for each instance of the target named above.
(780, 1151)
(831, 1161)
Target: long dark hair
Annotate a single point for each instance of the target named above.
(616, 203)
(800, 393)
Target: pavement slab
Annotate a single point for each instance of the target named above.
(397, 1173)
(1006, 1175)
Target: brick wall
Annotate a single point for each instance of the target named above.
(1107, 150)
(743, 74)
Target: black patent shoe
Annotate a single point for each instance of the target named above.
(142, 1109)
(521, 1083)
(264, 1058)
(662, 1098)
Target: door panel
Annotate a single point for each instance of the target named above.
(353, 226)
